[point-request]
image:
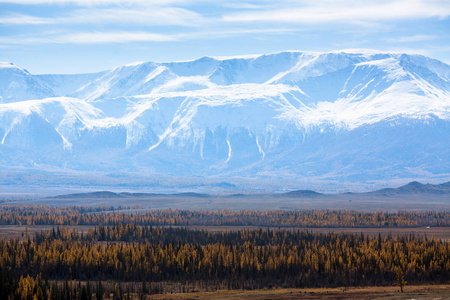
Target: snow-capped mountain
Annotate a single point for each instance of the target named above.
(16, 84)
(338, 115)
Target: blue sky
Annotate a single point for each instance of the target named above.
(75, 36)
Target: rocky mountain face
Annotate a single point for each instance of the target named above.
(338, 116)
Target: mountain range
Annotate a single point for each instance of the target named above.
(344, 116)
(412, 188)
(412, 196)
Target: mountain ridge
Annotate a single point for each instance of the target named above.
(125, 195)
(334, 115)
(411, 188)
(414, 187)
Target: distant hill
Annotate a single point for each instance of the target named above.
(301, 194)
(415, 188)
(102, 194)
(112, 195)
(408, 189)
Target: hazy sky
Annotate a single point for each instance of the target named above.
(74, 36)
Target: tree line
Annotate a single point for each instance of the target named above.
(243, 259)
(36, 288)
(46, 215)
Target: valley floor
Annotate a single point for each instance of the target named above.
(389, 292)
(362, 202)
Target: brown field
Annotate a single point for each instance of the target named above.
(172, 291)
(18, 231)
(364, 202)
(391, 292)
(443, 233)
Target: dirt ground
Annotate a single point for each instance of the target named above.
(410, 292)
(8, 232)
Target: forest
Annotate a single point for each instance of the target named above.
(119, 258)
(108, 215)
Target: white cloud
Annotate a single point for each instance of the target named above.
(345, 11)
(367, 13)
(115, 37)
(114, 21)
(18, 19)
(235, 32)
(93, 2)
(92, 38)
(104, 37)
(241, 5)
(413, 38)
(148, 15)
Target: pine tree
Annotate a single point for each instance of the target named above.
(400, 279)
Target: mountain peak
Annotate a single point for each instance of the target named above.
(9, 66)
(6, 65)
(340, 114)
(416, 187)
(414, 184)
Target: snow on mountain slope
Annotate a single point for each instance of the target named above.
(128, 80)
(63, 85)
(248, 106)
(16, 84)
(32, 123)
(335, 114)
(389, 92)
(257, 69)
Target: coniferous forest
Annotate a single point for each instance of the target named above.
(109, 215)
(129, 255)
